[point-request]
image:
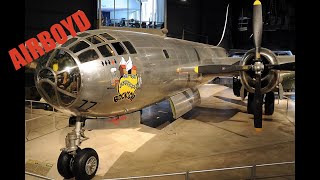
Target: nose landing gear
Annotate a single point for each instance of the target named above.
(75, 162)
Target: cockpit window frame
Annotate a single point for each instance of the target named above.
(74, 92)
(84, 34)
(86, 50)
(54, 53)
(45, 93)
(111, 47)
(61, 92)
(80, 49)
(98, 39)
(67, 43)
(111, 39)
(131, 47)
(122, 46)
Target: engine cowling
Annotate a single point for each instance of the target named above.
(183, 102)
(269, 78)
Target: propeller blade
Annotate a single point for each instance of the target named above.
(258, 66)
(258, 104)
(285, 67)
(257, 27)
(220, 69)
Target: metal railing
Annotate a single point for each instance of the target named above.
(32, 101)
(38, 176)
(52, 112)
(186, 174)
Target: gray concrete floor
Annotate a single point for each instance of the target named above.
(216, 134)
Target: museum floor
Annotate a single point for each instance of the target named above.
(216, 134)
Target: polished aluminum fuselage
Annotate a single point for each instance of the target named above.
(158, 76)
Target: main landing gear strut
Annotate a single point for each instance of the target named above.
(268, 103)
(75, 162)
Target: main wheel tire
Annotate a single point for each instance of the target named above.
(236, 86)
(250, 103)
(269, 103)
(85, 164)
(64, 165)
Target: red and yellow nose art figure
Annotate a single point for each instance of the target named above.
(128, 82)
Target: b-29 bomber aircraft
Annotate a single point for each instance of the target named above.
(107, 73)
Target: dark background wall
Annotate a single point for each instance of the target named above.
(40, 15)
(204, 20)
(184, 15)
(279, 24)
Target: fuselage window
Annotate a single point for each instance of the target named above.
(89, 55)
(166, 53)
(69, 42)
(107, 36)
(95, 39)
(79, 46)
(119, 48)
(83, 34)
(106, 50)
(130, 47)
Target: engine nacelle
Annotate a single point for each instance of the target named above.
(183, 102)
(269, 78)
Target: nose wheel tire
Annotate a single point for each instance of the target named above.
(64, 165)
(85, 164)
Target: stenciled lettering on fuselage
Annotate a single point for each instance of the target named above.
(128, 82)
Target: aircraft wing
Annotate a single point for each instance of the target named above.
(222, 60)
(236, 60)
(286, 59)
(231, 65)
